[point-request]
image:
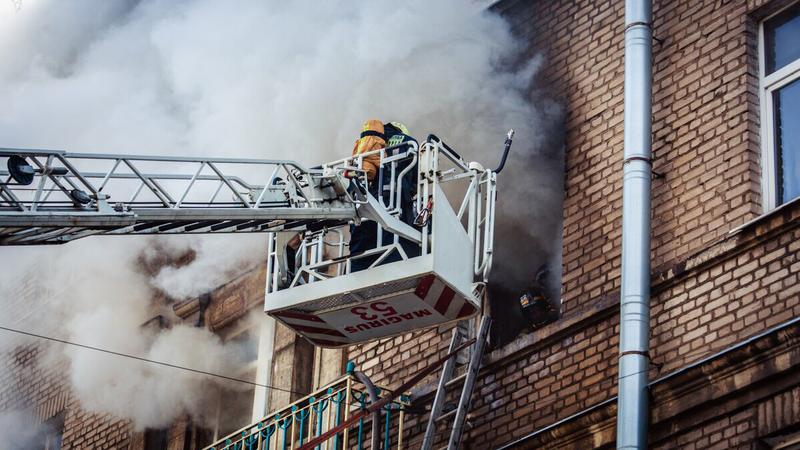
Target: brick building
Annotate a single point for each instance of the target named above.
(726, 254)
(725, 294)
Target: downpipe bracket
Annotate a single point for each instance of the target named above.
(635, 352)
(639, 24)
(637, 158)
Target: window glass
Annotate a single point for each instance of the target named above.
(787, 138)
(246, 343)
(782, 39)
(236, 406)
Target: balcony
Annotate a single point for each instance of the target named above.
(317, 413)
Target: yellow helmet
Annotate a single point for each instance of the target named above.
(400, 127)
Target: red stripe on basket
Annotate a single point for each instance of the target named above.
(308, 329)
(424, 286)
(300, 316)
(466, 310)
(444, 300)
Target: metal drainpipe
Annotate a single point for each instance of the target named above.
(632, 413)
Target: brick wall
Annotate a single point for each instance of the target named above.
(760, 425)
(27, 386)
(711, 288)
(705, 125)
(725, 433)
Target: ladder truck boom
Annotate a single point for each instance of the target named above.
(53, 197)
(417, 274)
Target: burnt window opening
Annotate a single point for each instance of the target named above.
(156, 439)
(52, 433)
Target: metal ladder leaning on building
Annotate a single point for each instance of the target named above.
(465, 400)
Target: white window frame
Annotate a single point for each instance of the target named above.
(768, 84)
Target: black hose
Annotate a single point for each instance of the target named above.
(505, 151)
(432, 137)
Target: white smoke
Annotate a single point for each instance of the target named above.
(152, 395)
(244, 78)
(20, 430)
(217, 260)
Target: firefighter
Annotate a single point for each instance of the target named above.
(396, 135)
(377, 135)
(364, 237)
(372, 138)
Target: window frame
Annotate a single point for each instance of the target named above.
(239, 329)
(768, 84)
(261, 367)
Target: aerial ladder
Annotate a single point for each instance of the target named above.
(54, 197)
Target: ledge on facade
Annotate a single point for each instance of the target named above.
(528, 343)
(749, 371)
(186, 308)
(737, 241)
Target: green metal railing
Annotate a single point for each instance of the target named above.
(313, 415)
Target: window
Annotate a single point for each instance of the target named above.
(155, 439)
(235, 406)
(52, 432)
(780, 106)
(52, 441)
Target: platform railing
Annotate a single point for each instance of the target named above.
(473, 190)
(311, 416)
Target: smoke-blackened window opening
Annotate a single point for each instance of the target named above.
(156, 439)
(52, 432)
(526, 309)
(197, 437)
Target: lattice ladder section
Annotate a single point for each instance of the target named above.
(465, 401)
(52, 197)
